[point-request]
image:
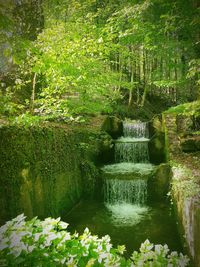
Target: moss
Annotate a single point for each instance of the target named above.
(196, 233)
(157, 142)
(186, 109)
(185, 187)
(190, 144)
(166, 139)
(113, 126)
(159, 182)
(185, 193)
(184, 182)
(41, 169)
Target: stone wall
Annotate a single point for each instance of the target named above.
(157, 151)
(185, 186)
(45, 170)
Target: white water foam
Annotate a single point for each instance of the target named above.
(135, 129)
(132, 152)
(131, 139)
(126, 214)
(127, 167)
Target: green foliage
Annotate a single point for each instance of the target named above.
(48, 243)
(188, 109)
(184, 181)
(79, 57)
(194, 70)
(8, 106)
(70, 72)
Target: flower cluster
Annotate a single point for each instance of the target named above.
(48, 243)
(157, 255)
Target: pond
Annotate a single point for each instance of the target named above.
(127, 224)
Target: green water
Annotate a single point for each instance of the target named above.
(127, 223)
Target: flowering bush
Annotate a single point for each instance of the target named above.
(48, 243)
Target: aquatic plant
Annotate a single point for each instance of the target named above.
(49, 243)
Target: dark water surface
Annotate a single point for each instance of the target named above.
(127, 224)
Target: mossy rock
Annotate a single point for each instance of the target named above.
(197, 233)
(113, 126)
(159, 182)
(184, 123)
(42, 172)
(157, 141)
(190, 144)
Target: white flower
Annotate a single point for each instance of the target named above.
(146, 246)
(15, 240)
(31, 248)
(63, 260)
(4, 243)
(121, 249)
(166, 249)
(66, 237)
(3, 229)
(158, 249)
(49, 238)
(106, 238)
(37, 236)
(63, 225)
(102, 256)
(47, 229)
(86, 231)
(71, 262)
(19, 218)
(174, 254)
(76, 235)
(23, 233)
(108, 247)
(16, 250)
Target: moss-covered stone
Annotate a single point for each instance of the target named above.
(185, 190)
(157, 141)
(159, 182)
(184, 123)
(190, 144)
(196, 232)
(106, 148)
(45, 170)
(113, 126)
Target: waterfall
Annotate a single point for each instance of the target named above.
(133, 147)
(132, 151)
(138, 129)
(125, 191)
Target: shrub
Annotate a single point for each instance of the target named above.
(48, 243)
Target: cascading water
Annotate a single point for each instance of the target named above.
(133, 151)
(126, 214)
(133, 147)
(129, 191)
(126, 198)
(138, 129)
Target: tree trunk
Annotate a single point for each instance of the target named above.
(33, 94)
(144, 96)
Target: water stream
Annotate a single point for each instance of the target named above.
(125, 213)
(126, 198)
(133, 146)
(130, 191)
